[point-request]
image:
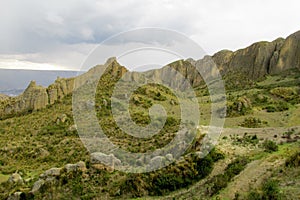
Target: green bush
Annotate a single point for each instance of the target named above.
(252, 122)
(270, 190)
(285, 93)
(220, 181)
(271, 108)
(172, 177)
(270, 146)
(245, 140)
(254, 195)
(293, 160)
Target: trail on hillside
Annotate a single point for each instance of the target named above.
(252, 176)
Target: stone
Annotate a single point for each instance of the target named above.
(16, 196)
(157, 162)
(80, 166)
(15, 178)
(51, 172)
(110, 160)
(44, 153)
(72, 128)
(37, 186)
(62, 119)
(169, 157)
(288, 55)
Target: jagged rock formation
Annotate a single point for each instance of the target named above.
(252, 63)
(36, 97)
(59, 89)
(33, 98)
(261, 58)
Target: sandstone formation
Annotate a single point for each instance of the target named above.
(36, 97)
(261, 58)
(59, 89)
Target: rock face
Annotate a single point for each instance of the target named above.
(36, 97)
(261, 58)
(33, 98)
(288, 54)
(59, 89)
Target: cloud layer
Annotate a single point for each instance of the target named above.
(62, 33)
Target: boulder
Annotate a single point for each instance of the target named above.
(51, 172)
(62, 119)
(37, 186)
(15, 178)
(110, 160)
(169, 157)
(157, 162)
(80, 166)
(16, 196)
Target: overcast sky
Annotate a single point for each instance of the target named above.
(60, 34)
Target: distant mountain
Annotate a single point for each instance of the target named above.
(14, 81)
(12, 92)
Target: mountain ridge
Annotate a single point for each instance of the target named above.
(251, 63)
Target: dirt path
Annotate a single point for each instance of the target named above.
(252, 176)
(265, 133)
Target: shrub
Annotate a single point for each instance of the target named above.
(245, 140)
(293, 160)
(234, 168)
(271, 108)
(254, 195)
(270, 146)
(270, 190)
(286, 93)
(252, 122)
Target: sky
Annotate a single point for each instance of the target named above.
(59, 35)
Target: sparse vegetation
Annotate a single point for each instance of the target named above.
(252, 122)
(221, 181)
(35, 141)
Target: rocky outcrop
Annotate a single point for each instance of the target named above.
(261, 58)
(250, 64)
(110, 160)
(36, 97)
(59, 89)
(253, 61)
(287, 55)
(51, 176)
(33, 98)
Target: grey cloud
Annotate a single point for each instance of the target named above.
(52, 29)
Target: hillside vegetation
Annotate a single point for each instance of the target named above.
(257, 155)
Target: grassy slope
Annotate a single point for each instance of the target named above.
(36, 142)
